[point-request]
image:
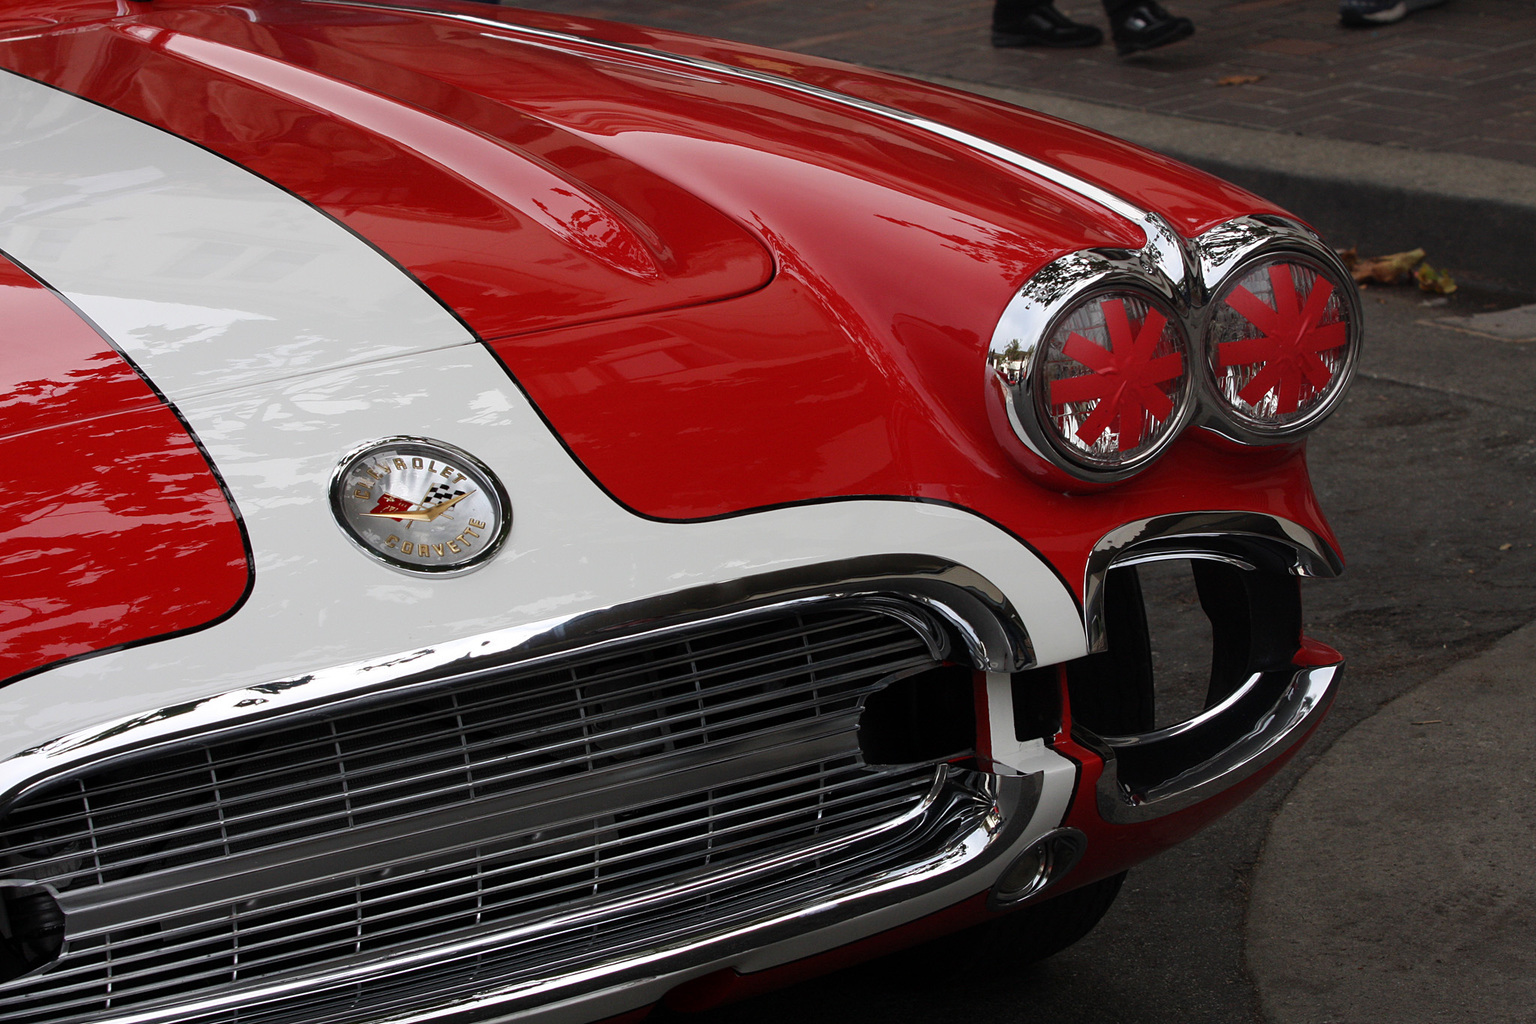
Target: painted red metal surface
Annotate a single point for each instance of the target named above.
(529, 186)
(514, 222)
(27, 15)
(1191, 200)
(736, 405)
(116, 530)
(858, 369)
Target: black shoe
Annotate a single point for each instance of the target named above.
(1043, 26)
(1146, 26)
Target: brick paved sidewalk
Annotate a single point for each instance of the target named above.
(1454, 79)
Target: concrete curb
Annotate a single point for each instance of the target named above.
(1474, 215)
(1404, 859)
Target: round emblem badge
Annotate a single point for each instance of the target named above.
(420, 506)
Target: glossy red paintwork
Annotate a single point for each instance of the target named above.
(760, 409)
(857, 370)
(116, 530)
(515, 223)
(27, 15)
(722, 296)
(1191, 200)
(529, 186)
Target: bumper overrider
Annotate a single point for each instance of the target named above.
(656, 799)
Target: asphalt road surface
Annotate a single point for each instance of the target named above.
(1426, 473)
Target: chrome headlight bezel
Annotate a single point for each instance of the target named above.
(1230, 418)
(1021, 347)
(1213, 264)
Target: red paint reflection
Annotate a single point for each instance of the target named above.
(115, 530)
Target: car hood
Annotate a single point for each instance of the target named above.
(531, 179)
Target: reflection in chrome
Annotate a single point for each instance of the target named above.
(1163, 248)
(1018, 348)
(530, 820)
(967, 603)
(1222, 254)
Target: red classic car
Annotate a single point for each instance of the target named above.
(508, 516)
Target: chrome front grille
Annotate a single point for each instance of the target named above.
(572, 809)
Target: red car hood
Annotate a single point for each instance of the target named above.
(532, 182)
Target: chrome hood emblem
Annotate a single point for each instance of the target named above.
(420, 506)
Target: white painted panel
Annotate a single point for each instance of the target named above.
(206, 275)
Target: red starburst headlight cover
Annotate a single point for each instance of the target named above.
(1279, 345)
(1115, 381)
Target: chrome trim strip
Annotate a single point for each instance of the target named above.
(903, 587)
(1276, 731)
(1189, 725)
(1249, 540)
(921, 592)
(1220, 250)
(1184, 555)
(1163, 247)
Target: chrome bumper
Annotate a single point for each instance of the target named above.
(1158, 773)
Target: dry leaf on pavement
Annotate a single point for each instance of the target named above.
(1397, 268)
(1388, 269)
(1432, 280)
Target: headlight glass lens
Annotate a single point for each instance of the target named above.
(1279, 345)
(1114, 380)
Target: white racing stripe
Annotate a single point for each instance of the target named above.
(285, 342)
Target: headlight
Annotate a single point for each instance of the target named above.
(1101, 359)
(1114, 381)
(1281, 345)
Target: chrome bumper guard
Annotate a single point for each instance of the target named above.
(1266, 695)
(1158, 773)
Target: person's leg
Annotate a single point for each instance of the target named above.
(1142, 25)
(1038, 23)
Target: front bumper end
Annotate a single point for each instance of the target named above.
(1159, 773)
